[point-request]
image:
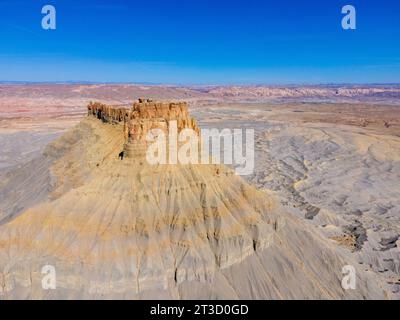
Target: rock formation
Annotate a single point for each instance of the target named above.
(131, 230)
(144, 116)
(107, 113)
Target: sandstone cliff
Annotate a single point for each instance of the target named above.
(144, 116)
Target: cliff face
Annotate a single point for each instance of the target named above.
(128, 229)
(144, 116)
(107, 113)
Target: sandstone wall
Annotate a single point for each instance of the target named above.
(144, 116)
(108, 113)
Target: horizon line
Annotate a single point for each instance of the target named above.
(72, 82)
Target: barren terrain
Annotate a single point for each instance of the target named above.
(331, 155)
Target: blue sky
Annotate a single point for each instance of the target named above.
(201, 42)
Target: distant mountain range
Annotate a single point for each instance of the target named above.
(377, 93)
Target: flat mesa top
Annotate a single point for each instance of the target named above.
(141, 109)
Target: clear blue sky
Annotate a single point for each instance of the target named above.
(201, 41)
